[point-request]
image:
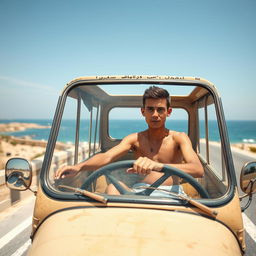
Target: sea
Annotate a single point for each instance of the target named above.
(239, 131)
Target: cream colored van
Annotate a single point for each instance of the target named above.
(75, 216)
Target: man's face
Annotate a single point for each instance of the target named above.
(155, 112)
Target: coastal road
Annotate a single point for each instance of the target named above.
(240, 157)
(15, 222)
(249, 215)
(15, 228)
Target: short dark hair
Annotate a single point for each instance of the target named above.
(154, 92)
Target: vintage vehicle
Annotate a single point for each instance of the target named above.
(75, 216)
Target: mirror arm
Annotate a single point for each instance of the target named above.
(251, 183)
(33, 191)
(28, 187)
(248, 202)
(243, 196)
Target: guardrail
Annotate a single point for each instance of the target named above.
(9, 197)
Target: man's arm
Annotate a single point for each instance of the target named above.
(192, 163)
(98, 160)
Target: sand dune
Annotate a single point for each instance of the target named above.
(14, 127)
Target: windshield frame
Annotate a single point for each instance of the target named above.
(154, 81)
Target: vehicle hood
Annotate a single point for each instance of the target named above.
(127, 231)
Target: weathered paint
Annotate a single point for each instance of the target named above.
(119, 231)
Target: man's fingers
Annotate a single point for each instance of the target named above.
(65, 171)
(131, 170)
(58, 173)
(139, 165)
(144, 166)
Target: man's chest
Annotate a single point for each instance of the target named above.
(165, 152)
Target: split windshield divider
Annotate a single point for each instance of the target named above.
(206, 130)
(96, 127)
(77, 128)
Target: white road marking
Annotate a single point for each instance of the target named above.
(14, 232)
(22, 249)
(249, 227)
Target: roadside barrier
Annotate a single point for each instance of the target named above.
(10, 197)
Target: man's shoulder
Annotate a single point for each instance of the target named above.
(135, 137)
(179, 136)
(176, 133)
(131, 137)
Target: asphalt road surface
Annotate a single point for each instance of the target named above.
(15, 222)
(249, 216)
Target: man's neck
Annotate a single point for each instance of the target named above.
(157, 134)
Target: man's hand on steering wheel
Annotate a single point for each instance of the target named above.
(144, 165)
(67, 171)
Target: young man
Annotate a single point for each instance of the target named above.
(152, 148)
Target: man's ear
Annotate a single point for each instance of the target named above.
(142, 111)
(169, 111)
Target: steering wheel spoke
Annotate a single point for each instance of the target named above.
(116, 184)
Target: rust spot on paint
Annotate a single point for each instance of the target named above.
(73, 218)
(225, 246)
(192, 245)
(77, 216)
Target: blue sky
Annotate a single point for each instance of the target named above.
(44, 44)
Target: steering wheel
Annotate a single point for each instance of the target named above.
(167, 170)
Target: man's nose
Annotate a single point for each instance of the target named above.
(155, 113)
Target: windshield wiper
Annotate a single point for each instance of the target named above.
(84, 192)
(104, 200)
(202, 207)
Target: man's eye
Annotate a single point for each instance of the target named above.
(160, 110)
(151, 109)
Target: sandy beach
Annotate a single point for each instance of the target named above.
(249, 148)
(27, 148)
(10, 148)
(15, 127)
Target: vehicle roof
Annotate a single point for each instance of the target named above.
(140, 79)
(101, 94)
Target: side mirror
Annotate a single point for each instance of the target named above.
(18, 174)
(248, 178)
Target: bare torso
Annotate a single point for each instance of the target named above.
(163, 150)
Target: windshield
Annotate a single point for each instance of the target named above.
(105, 129)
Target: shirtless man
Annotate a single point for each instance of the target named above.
(153, 148)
